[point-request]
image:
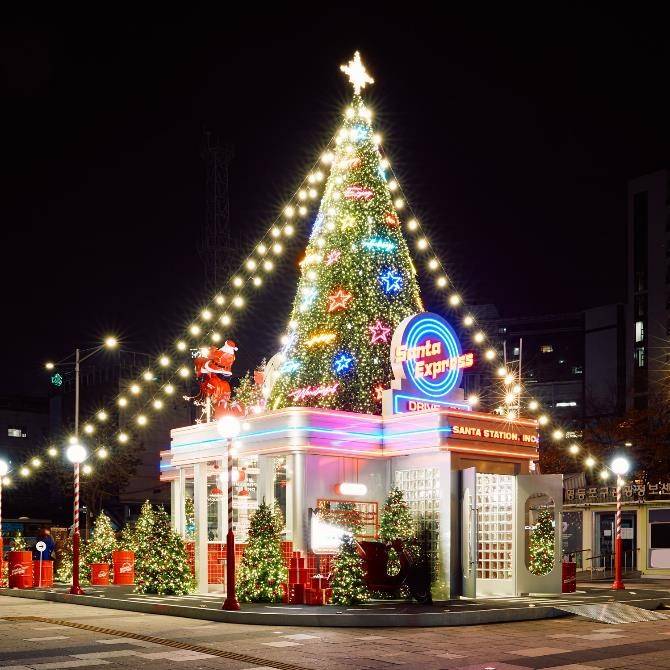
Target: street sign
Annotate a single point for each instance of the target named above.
(41, 546)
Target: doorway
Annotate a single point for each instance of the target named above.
(603, 554)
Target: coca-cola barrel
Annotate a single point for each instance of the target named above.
(20, 569)
(47, 576)
(99, 574)
(124, 567)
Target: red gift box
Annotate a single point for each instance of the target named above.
(296, 594)
(320, 582)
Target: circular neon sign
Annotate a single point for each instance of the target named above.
(426, 351)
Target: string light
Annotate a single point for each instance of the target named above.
(590, 461)
(206, 314)
(123, 402)
(102, 415)
(141, 419)
(574, 449)
(181, 346)
(86, 469)
(102, 453)
(52, 451)
(164, 361)
(135, 389)
(89, 429)
(169, 389)
(157, 404)
(148, 375)
(123, 438)
(35, 462)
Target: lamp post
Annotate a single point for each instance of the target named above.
(4, 469)
(109, 343)
(620, 467)
(229, 427)
(76, 454)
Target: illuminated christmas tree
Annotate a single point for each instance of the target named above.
(357, 280)
(64, 563)
(263, 572)
(189, 518)
(19, 542)
(163, 567)
(103, 541)
(396, 519)
(347, 581)
(541, 545)
(396, 524)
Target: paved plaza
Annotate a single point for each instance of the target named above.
(43, 635)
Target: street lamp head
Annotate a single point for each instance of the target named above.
(620, 465)
(228, 426)
(76, 453)
(111, 342)
(49, 365)
(4, 468)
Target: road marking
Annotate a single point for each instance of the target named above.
(538, 651)
(47, 638)
(302, 636)
(282, 643)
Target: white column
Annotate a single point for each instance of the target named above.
(298, 501)
(200, 509)
(174, 505)
(179, 511)
(222, 504)
(266, 480)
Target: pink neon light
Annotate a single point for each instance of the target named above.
(379, 332)
(314, 391)
(358, 192)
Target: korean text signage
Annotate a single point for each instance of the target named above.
(427, 358)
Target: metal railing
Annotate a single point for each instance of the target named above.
(605, 562)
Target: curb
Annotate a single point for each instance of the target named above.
(316, 619)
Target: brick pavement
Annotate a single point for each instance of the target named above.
(560, 644)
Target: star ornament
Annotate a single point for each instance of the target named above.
(343, 362)
(339, 300)
(391, 281)
(358, 75)
(379, 332)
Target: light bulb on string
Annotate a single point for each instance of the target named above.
(164, 361)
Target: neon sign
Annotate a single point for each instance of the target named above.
(314, 391)
(428, 364)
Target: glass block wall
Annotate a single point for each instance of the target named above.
(495, 525)
(421, 488)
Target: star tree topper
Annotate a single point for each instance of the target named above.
(357, 73)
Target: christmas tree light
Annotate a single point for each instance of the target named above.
(366, 276)
(102, 543)
(262, 572)
(541, 545)
(348, 581)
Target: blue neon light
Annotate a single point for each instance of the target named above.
(343, 362)
(378, 244)
(290, 366)
(391, 280)
(422, 329)
(400, 396)
(374, 435)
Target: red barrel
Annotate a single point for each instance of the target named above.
(20, 569)
(99, 574)
(124, 567)
(47, 573)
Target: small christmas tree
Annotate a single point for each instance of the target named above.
(396, 521)
(348, 581)
(161, 564)
(19, 542)
(189, 518)
(263, 571)
(103, 541)
(64, 559)
(541, 545)
(127, 540)
(248, 393)
(396, 524)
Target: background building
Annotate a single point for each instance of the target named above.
(648, 286)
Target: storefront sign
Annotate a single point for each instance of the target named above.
(629, 492)
(476, 432)
(427, 359)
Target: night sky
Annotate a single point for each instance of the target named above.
(513, 137)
